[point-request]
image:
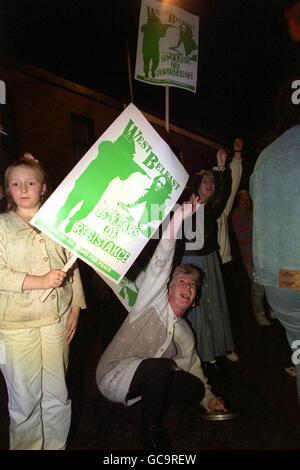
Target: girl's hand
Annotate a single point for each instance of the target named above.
(54, 278)
(72, 324)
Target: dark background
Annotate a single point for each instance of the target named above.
(245, 53)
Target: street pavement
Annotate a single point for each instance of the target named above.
(257, 386)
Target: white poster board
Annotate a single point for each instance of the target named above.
(114, 199)
(167, 48)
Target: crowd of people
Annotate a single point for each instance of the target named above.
(169, 347)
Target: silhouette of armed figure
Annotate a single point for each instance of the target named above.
(186, 38)
(153, 31)
(114, 159)
(155, 198)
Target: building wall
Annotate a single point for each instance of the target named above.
(43, 119)
(44, 104)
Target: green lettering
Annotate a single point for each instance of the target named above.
(140, 139)
(151, 160)
(126, 133)
(159, 167)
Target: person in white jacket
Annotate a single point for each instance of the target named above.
(236, 175)
(153, 356)
(223, 234)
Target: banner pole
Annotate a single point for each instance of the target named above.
(66, 268)
(167, 108)
(129, 73)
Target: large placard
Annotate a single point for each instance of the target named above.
(116, 197)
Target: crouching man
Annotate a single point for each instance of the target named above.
(153, 358)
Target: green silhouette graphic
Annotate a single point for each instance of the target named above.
(155, 198)
(186, 38)
(129, 295)
(114, 159)
(153, 31)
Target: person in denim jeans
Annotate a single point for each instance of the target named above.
(274, 189)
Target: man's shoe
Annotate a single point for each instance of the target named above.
(262, 320)
(155, 438)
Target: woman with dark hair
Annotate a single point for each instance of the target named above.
(210, 317)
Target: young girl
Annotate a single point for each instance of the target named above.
(34, 335)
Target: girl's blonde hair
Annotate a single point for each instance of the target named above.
(29, 161)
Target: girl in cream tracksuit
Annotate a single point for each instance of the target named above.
(34, 335)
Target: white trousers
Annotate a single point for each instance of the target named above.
(34, 362)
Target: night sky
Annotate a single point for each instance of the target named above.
(245, 53)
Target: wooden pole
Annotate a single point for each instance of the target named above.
(167, 109)
(129, 73)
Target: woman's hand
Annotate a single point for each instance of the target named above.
(221, 158)
(72, 324)
(216, 404)
(187, 209)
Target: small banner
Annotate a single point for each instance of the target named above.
(116, 197)
(167, 48)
